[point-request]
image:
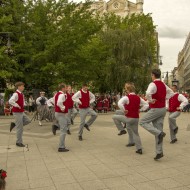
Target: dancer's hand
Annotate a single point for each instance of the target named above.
(126, 111)
(178, 108)
(153, 101)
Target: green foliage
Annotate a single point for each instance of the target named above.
(56, 41)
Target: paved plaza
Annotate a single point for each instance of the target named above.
(100, 161)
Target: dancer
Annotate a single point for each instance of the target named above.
(42, 108)
(72, 112)
(84, 98)
(175, 105)
(152, 121)
(17, 101)
(129, 115)
(61, 110)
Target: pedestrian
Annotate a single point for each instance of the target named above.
(42, 108)
(17, 101)
(61, 109)
(84, 98)
(72, 112)
(3, 175)
(129, 105)
(175, 105)
(105, 104)
(152, 121)
(7, 109)
(99, 105)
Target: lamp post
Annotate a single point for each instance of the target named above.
(160, 60)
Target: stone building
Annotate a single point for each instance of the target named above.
(183, 68)
(119, 7)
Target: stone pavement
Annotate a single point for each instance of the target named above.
(101, 161)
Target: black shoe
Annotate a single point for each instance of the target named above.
(160, 137)
(68, 132)
(175, 130)
(20, 145)
(86, 126)
(122, 132)
(158, 156)
(130, 144)
(173, 141)
(63, 150)
(72, 123)
(80, 138)
(12, 125)
(54, 129)
(139, 151)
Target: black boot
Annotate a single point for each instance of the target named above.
(158, 156)
(68, 132)
(122, 132)
(12, 125)
(160, 137)
(80, 138)
(54, 129)
(139, 151)
(87, 127)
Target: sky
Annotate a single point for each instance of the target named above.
(172, 18)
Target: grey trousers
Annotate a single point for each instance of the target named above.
(131, 125)
(21, 120)
(152, 121)
(172, 123)
(63, 122)
(72, 113)
(83, 113)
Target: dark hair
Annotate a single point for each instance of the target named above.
(84, 84)
(17, 84)
(156, 73)
(2, 184)
(175, 86)
(61, 85)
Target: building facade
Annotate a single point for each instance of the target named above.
(119, 7)
(183, 69)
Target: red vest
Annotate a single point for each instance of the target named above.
(133, 106)
(57, 108)
(174, 103)
(160, 95)
(85, 99)
(20, 102)
(69, 100)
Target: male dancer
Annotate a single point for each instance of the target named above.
(84, 98)
(174, 105)
(42, 108)
(61, 110)
(130, 105)
(152, 121)
(17, 101)
(72, 112)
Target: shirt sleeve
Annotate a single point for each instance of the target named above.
(183, 100)
(50, 102)
(144, 105)
(13, 99)
(122, 102)
(152, 89)
(76, 97)
(60, 101)
(169, 92)
(92, 97)
(38, 101)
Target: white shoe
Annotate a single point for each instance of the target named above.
(40, 124)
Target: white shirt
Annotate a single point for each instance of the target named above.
(152, 89)
(38, 100)
(125, 100)
(181, 98)
(14, 99)
(61, 99)
(51, 102)
(78, 95)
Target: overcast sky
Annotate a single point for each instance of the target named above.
(172, 18)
